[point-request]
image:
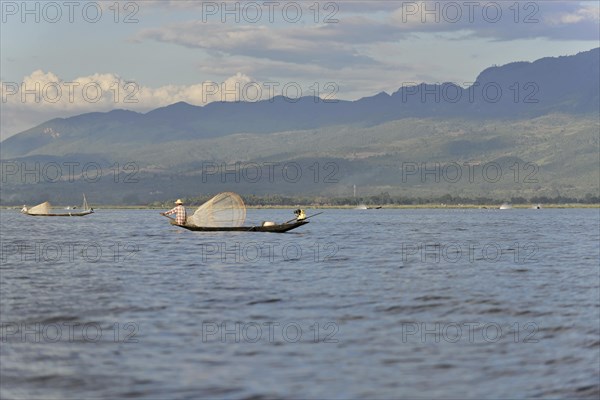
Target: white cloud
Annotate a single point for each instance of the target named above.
(45, 90)
(502, 20)
(44, 95)
(332, 45)
(350, 42)
(583, 14)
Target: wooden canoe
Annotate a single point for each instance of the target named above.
(42, 210)
(280, 228)
(73, 214)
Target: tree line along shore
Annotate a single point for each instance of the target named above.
(382, 200)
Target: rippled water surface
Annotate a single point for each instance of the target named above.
(357, 304)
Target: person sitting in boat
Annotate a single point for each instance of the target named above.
(300, 215)
(179, 211)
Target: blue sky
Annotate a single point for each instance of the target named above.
(183, 50)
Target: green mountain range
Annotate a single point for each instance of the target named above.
(520, 130)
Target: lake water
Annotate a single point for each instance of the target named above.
(356, 304)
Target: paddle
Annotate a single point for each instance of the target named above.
(163, 214)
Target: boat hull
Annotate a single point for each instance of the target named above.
(281, 228)
(77, 214)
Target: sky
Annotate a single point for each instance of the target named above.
(64, 58)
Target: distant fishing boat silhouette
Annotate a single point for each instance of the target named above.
(44, 210)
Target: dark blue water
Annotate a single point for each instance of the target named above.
(357, 304)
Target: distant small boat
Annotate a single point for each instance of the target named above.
(363, 207)
(505, 206)
(537, 207)
(44, 210)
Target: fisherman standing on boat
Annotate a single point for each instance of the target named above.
(300, 215)
(179, 211)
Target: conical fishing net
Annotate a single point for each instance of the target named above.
(224, 210)
(43, 208)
